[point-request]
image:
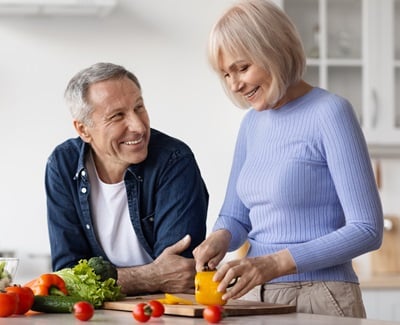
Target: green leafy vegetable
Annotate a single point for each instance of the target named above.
(103, 268)
(83, 282)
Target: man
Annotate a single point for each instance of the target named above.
(122, 190)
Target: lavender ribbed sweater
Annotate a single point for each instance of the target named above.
(302, 179)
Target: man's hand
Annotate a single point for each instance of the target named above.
(170, 272)
(176, 273)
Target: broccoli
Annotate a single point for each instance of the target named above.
(103, 268)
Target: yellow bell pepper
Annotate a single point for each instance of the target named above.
(206, 289)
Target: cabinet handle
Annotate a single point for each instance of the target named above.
(375, 109)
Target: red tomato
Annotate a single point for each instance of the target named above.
(213, 314)
(8, 303)
(142, 312)
(83, 310)
(157, 308)
(25, 297)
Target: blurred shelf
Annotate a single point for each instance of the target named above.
(384, 151)
(98, 8)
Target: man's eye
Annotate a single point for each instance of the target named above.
(116, 116)
(139, 108)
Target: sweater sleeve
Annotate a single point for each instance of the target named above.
(234, 215)
(347, 157)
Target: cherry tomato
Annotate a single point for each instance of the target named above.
(142, 312)
(157, 308)
(213, 314)
(25, 297)
(8, 303)
(83, 310)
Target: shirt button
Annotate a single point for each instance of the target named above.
(87, 226)
(83, 173)
(83, 190)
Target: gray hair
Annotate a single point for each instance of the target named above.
(76, 92)
(261, 32)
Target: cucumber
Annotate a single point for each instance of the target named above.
(54, 304)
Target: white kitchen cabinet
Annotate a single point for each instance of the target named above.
(353, 49)
(382, 304)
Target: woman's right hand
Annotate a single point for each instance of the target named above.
(212, 250)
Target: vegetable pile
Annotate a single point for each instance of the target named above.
(93, 280)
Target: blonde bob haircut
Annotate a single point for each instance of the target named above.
(262, 33)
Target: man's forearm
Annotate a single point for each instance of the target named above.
(138, 279)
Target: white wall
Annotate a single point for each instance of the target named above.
(163, 42)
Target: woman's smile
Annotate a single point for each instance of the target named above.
(251, 93)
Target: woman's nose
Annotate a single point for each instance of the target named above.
(236, 84)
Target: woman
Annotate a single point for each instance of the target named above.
(301, 190)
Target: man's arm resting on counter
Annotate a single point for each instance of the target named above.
(170, 272)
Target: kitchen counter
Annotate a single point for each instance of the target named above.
(387, 281)
(123, 317)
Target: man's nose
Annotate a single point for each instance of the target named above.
(135, 123)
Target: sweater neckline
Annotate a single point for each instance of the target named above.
(294, 104)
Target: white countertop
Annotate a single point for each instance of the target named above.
(121, 317)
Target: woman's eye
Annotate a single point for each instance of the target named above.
(244, 68)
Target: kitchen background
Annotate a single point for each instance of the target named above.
(353, 48)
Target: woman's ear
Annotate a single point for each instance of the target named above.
(81, 128)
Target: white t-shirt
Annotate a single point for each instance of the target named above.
(111, 220)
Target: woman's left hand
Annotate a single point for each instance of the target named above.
(253, 271)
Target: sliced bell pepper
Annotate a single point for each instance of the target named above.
(175, 300)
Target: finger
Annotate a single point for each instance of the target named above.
(240, 288)
(240, 291)
(204, 257)
(199, 258)
(179, 246)
(199, 266)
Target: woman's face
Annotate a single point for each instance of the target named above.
(251, 82)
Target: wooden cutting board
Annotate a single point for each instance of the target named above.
(232, 308)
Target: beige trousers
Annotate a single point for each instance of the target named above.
(326, 298)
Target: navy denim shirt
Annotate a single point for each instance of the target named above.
(167, 199)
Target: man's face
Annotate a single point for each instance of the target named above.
(120, 132)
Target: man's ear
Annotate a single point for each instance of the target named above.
(81, 128)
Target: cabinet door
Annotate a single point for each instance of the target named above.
(353, 49)
(385, 66)
(332, 34)
(396, 64)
